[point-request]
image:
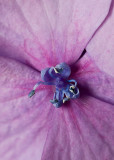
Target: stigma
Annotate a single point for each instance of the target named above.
(64, 89)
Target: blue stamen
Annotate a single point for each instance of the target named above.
(57, 76)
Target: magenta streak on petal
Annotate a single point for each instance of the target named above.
(74, 118)
(31, 47)
(80, 131)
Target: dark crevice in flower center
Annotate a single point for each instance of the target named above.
(64, 89)
(83, 53)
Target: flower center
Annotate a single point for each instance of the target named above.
(64, 89)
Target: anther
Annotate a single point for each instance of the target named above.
(55, 70)
(72, 87)
(66, 99)
(31, 93)
(58, 70)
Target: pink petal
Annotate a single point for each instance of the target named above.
(92, 81)
(24, 122)
(84, 128)
(101, 47)
(33, 129)
(46, 33)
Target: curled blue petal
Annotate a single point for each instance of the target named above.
(63, 69)
(56, 103)
(74, 93)
(77, 93)
(53, 73)
(74, 82)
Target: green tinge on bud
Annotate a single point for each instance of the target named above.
(31, 93)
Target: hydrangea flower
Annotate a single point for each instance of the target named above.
(35, 35)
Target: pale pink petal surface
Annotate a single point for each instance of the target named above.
(44, 33)
(101, 47)
(82, 129)
(23, 122)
